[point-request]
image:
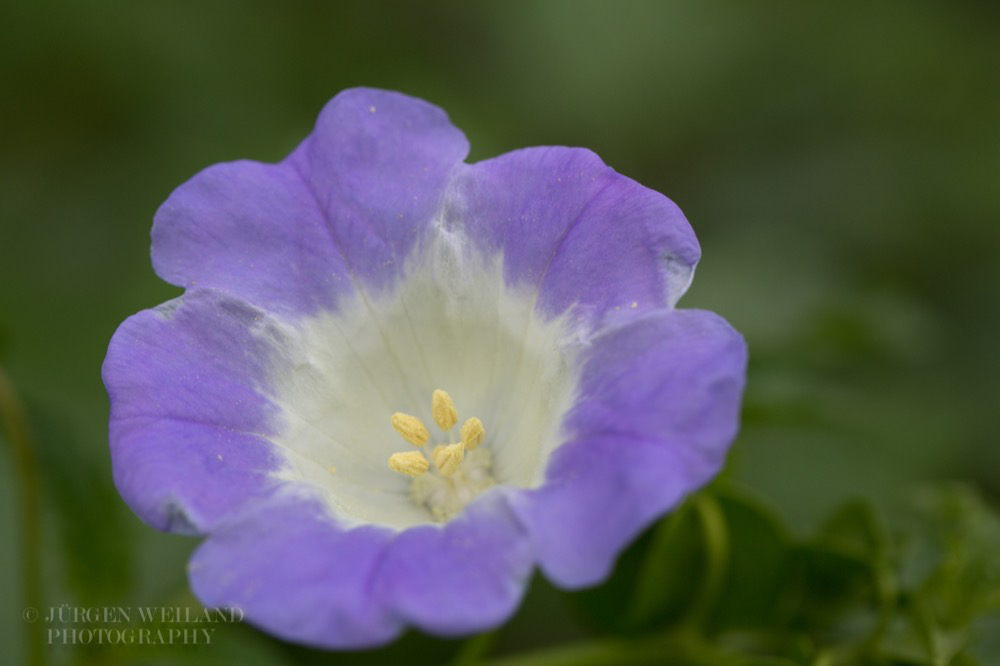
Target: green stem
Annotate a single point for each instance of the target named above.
(474, 650)
(715, 531)
(927, 631)
(15, 424)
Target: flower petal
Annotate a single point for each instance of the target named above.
(594, 503)
(465, 576)
(377, 164)
(297, 574)
(349, 203)
(254, 231)
(188, 421)
(584, 234)
(659, 406)
(675, 375)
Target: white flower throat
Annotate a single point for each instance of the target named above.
(357, 378)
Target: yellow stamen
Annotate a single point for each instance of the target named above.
(472, 433)
(411, 463)
(443, 410)
(411, 428)
(447, 458)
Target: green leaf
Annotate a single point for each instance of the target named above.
(756, 579)
(672, 567)
(854, 529)
(653, 583)
(856, 532)
(833, 596)
(950, 574)
(985, 646)
(967, 581)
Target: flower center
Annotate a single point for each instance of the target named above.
(453, 474)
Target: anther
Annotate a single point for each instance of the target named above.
(411, 428)
(411, 463)
(472, 433)
(447, 458)
(443, 410)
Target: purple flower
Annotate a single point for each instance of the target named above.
(397, 382)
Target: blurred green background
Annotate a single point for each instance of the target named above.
(840, 163)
